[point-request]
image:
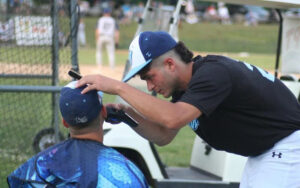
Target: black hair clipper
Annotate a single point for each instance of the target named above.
(115, 116)
(74, 74)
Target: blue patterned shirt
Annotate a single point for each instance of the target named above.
(78, 163)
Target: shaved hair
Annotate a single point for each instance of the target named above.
(180, 51)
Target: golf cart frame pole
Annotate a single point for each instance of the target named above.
(139, 29)
(278, 43)
(175, 18)
(145, 13)
(8, 10)
(75, 16)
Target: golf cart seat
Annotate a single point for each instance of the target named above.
(293, 83)
(290, 56)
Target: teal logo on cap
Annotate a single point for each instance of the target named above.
(130, 57)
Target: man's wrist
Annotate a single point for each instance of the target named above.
(120, 88)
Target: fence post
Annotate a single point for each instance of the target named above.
(55, 65)
(74, 10)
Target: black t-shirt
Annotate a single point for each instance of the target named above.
(245, 109)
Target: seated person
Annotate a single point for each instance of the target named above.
(82, 160)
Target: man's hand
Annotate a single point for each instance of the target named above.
(108, 108)
(100, 83)
(118, 106)
(112, 116)
(116, 115)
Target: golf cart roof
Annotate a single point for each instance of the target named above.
(280, 4)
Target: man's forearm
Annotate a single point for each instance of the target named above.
(157, 110)
(150, 130)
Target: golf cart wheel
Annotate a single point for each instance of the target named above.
(44, 139)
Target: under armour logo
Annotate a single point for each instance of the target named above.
(277, 154)
(148, 54)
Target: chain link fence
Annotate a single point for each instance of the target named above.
(37, 48)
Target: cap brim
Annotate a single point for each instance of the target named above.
(135, 70)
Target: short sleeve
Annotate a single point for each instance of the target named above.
(208, 88)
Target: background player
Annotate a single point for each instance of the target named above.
(107, 35)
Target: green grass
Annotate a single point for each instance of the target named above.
(202, 37)
(209, 37)
(265, 61)
(178, 152)
(24, 114)
(38, 55)
(86, 56)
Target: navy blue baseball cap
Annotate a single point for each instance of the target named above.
(77, 108)
(106, 10)
(145, 47)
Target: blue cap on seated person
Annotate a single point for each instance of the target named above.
(106, 10)
(145, 47)
(76, 108)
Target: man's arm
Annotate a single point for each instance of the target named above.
(151, 130)
(169, 115)
(97, 30)
(117, 34)
(96, 34)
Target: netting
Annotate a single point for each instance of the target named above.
(29, 63)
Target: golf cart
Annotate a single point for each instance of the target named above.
(208, 167)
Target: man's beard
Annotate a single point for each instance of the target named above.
(176, 87)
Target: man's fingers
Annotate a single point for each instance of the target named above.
(86, 80)
(80, 83)
(120, 106)
(87, 89)
(96, 82)
(110, 104)
(113, 105)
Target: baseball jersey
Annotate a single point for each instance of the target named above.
(78, 163)
(245, 110)
(106, 26)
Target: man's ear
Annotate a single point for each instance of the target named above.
(65, 123)
(170, 64)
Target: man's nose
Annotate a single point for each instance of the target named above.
(150, 85)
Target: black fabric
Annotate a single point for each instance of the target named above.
(245, 109)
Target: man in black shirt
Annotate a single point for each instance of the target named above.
(232, 105)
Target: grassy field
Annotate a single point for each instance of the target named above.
(207, 37)
(260, 42)
(204, 38)
(86, 56)
(230, 38)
